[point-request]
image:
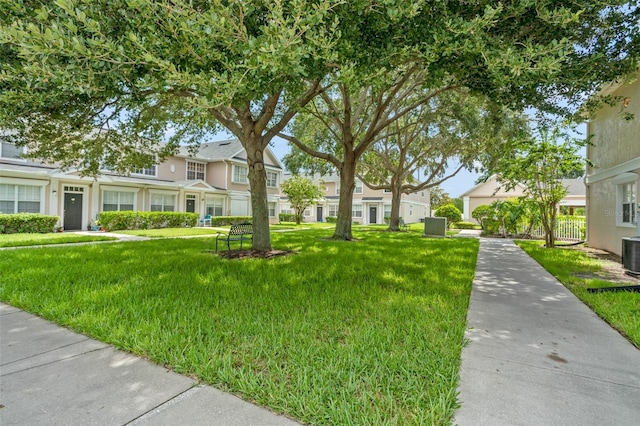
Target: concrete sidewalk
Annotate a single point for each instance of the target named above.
(537, 355)
(52, 376)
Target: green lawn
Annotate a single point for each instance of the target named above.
(620, 309)
(367, 332)
(170, 232)
(18, 240)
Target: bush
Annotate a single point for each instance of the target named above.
(121, 220)
(287, 217)
(331, 219)
(451, 212)
(32, 223)
(229, 220)
(465, 225)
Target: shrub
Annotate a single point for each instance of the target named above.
(27, 223)
(451, 212)
(121, 220)
(287, 217)
(331, 219)
(229, 220)
(465, 225)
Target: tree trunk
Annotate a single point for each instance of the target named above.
(299, 216)
(258, 182)
(345, 206)
(394, 220)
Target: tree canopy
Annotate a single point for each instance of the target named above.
(302, 193)
(93, 82)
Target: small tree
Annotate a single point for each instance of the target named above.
(302, 193)
(485, 215)
(451, 212)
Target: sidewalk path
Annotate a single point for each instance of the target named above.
(537, 355)
(52, 376)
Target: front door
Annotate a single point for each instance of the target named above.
(191, 205)
(72, 211)
(319, 214)
(373, 215)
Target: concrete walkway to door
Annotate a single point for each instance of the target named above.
(537, 355)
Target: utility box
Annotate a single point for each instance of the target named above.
(435, 227)
(631, 254)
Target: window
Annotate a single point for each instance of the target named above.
(163, 203)
(239, 207)
(410, 209)
(214, 206)
(333, 210)
(387, 210)
(272, 209)
(387, 191)
(147, 171)
(358, 189)
(20, 198)
(9, 150)
(117, 201)
(357, 210)
(307, 212)
(272, 179)
(240, 174)
(195, 171)
(337, 188)
(628, 202)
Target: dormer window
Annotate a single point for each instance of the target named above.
(272, 179)
(147, 171)
(195, 171)
(9, 150)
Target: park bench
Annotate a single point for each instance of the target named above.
(240, 232)
(403, 226)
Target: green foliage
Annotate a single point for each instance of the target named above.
(539, 165)
(465, 225)
(450, 212)
(229, 220)
(331, 219)
(121, 220)
(485, 215)
(302, 193)
(287, 217)
(27, 223)
(355, 340)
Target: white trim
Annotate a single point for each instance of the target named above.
(25, 181)
(625, 178)
(119, 188)
(613, 171)
(163, 191)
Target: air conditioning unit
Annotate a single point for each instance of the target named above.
(435, 227)
(631, 254)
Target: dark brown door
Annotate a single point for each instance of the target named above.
(72, 212)
(319, 214)
(373, 215)
(191, 206)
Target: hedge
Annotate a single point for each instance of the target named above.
(287, 217)
(331, 219)
(121, 220)
(465, 225)
(27, 223)
(229, 220)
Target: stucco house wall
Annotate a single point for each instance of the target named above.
(615, 153)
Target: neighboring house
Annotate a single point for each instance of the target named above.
(213, 182)
(612, 183)
(369, 206)
(486, 193)
(490, 191)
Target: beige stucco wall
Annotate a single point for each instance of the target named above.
(615, 151)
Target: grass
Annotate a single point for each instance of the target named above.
(19, 240)
(304, 225)
(170, 232)
(620, 309)
(366, 332)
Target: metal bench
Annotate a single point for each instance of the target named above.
(240, 232)
(403, 226)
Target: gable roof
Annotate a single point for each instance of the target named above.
(489, 187)
(575, 186)
(224, 150)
